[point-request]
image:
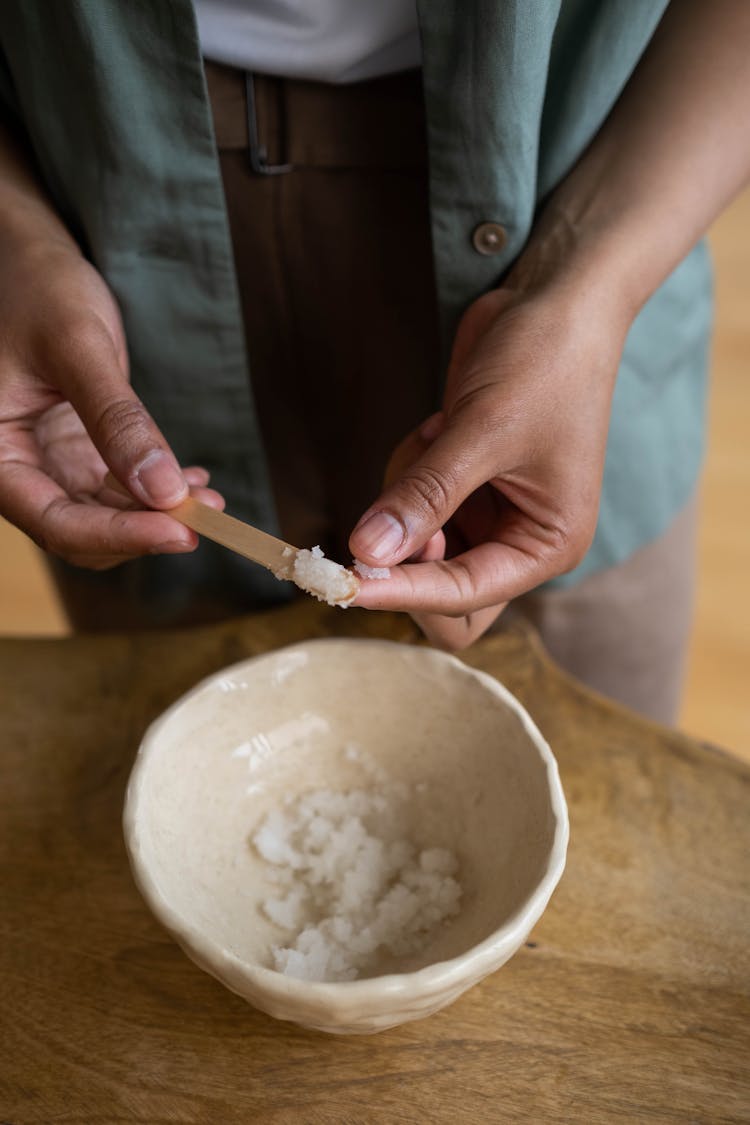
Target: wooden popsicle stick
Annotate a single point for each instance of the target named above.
(240, 537)
(276, 555)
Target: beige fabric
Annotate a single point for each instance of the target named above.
(624, 631)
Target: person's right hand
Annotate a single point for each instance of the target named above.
(68, 414)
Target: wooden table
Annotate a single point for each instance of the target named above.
(630, 1003)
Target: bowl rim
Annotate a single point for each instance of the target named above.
(234, 972)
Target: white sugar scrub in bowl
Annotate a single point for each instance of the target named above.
(348, 833)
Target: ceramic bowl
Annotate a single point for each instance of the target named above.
(482, 780)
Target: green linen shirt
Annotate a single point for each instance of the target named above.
(112, 100)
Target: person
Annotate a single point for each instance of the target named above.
(572, 156)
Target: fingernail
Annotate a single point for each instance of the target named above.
(159, 480)
(172, 547)
(380, 536)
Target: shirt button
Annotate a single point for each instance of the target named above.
(489, 238)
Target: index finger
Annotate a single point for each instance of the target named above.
(484, 576)
(89, 374)
(74, 529)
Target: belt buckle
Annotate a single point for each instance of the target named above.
(258, 153)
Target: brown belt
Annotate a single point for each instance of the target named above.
(378, 123)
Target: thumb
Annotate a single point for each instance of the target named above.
(90, 376)
(423, 497)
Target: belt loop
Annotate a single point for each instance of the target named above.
(258, 152)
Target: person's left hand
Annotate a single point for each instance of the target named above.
(499, 492)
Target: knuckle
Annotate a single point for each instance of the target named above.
(45, 533)
(86, 550)
(463, 582)
(460, 590)
(434, 489)
(568, 544)
(122, 426)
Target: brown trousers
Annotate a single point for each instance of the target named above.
(335, 273)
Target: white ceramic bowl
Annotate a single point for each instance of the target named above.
(485, 784)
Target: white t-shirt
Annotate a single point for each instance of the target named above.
(323, 40)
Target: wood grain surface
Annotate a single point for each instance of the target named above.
(629, 1003)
